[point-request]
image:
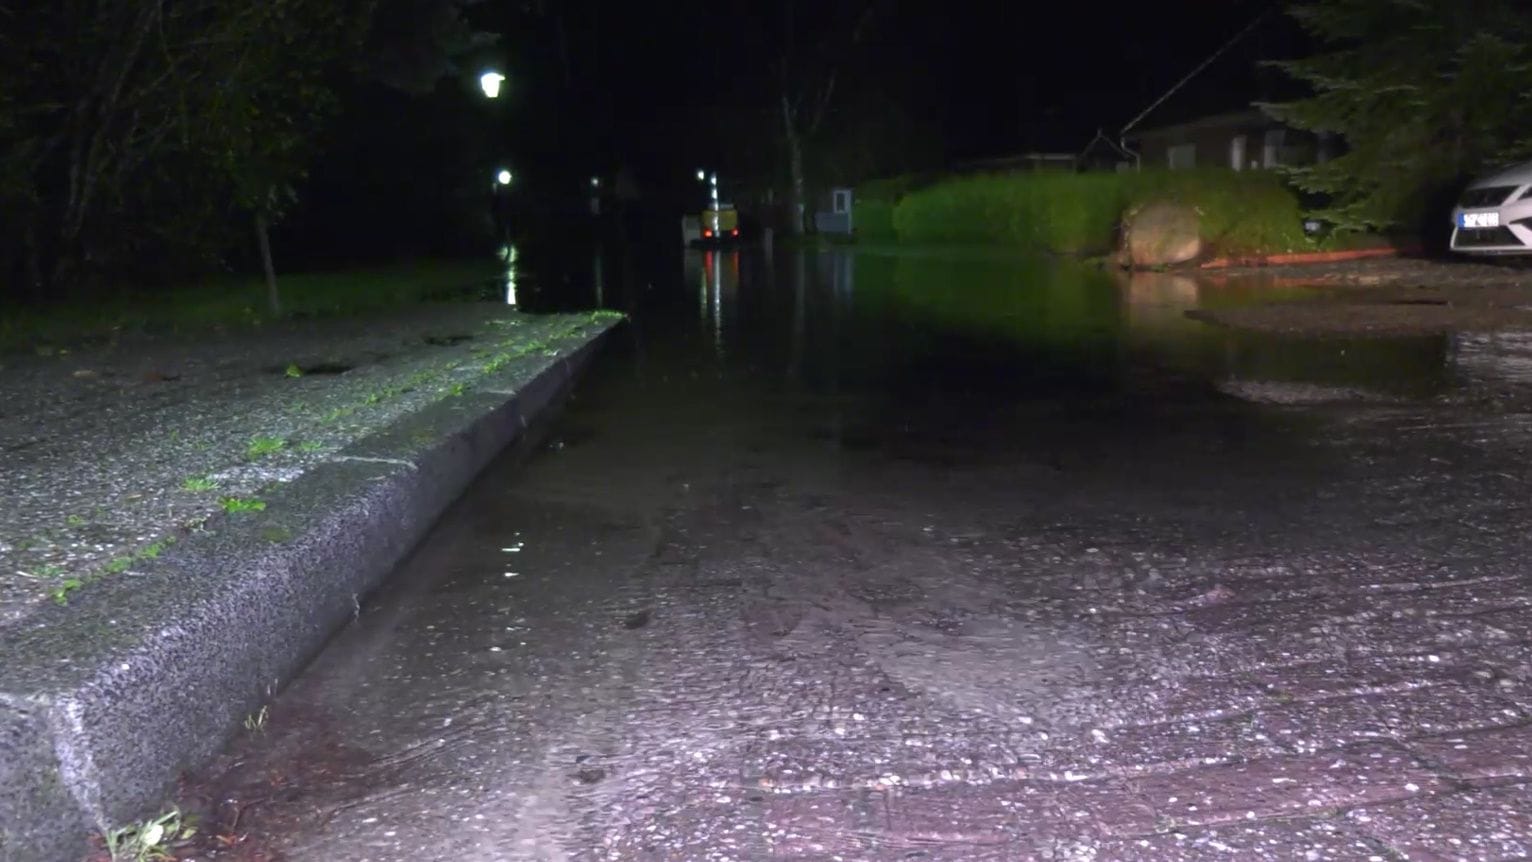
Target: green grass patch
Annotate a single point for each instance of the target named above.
(238, 303)
(235, 505)
(1078, 213)
(199, 484)
(262, 446)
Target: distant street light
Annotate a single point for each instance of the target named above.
(595, 182)
(490, 82)
(712, 181)
(504, 177)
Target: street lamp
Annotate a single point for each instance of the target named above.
(504, 177)
(490, 82)
(712, 181)
(595, 182)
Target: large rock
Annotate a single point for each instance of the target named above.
(1160, 234)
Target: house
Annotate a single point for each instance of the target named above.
(1105, 154)
(1246, 139)
(1210, 118)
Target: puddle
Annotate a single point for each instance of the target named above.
(446, 340)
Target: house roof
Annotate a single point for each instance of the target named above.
(1247, 117)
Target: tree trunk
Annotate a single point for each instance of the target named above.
(273, 298)
(795, 195)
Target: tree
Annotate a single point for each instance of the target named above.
(807, 76)
(1423, 92)
(262, 124)
(134, 132)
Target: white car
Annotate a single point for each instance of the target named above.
(1494, 214)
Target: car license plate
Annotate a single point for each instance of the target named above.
(1479, 220)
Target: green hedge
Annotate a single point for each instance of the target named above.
(876, 200)
(1078, 214)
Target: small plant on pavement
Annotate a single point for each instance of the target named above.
(255, 722)
(235, 505)
(67, 586)
(199, 483)
(262, 446)
(294, 371)
(151, 840)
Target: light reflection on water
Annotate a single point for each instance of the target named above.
(844, 318)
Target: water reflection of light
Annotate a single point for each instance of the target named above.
(713, 274)
(702, 294)
(600, 279)
(508, 257)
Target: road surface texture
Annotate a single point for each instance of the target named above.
(804, 574)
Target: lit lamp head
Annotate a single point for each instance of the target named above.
(490, 82)
(504, 177)
(595, 182)
(701, 175)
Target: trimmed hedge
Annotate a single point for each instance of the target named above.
(1078, 214)
(875, 201)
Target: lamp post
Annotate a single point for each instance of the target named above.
(490, 83)
(503, 178)
(712, 181)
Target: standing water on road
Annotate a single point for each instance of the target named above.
(939, 556)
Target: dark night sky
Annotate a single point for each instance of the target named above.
(649, 81)
(664, 88)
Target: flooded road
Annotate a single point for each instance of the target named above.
(943, 557)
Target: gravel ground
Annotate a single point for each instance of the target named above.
(109, 453)
(1387, 297)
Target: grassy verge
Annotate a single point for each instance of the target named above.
(237, 302)
(1248, 212)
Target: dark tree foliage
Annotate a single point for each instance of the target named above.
(141, 139)
(1424, 93)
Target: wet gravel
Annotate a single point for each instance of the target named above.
(1388, 297)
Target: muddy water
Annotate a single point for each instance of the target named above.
(937, 556)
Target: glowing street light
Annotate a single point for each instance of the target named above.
(595, 182)
(701, 175)
(504, 177)
(490, 82)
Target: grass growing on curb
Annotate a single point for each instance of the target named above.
(66, 587)
(1078, 214)
(509, 350)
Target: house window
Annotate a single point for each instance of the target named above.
(1182, 156)
(841, 201)
(1271, 151)
(1237, 153)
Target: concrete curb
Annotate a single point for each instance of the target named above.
(105, 703)
(1305, 257)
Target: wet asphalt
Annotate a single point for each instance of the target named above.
(943, 557)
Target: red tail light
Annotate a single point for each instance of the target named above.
(734, 232)
(707, 232)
